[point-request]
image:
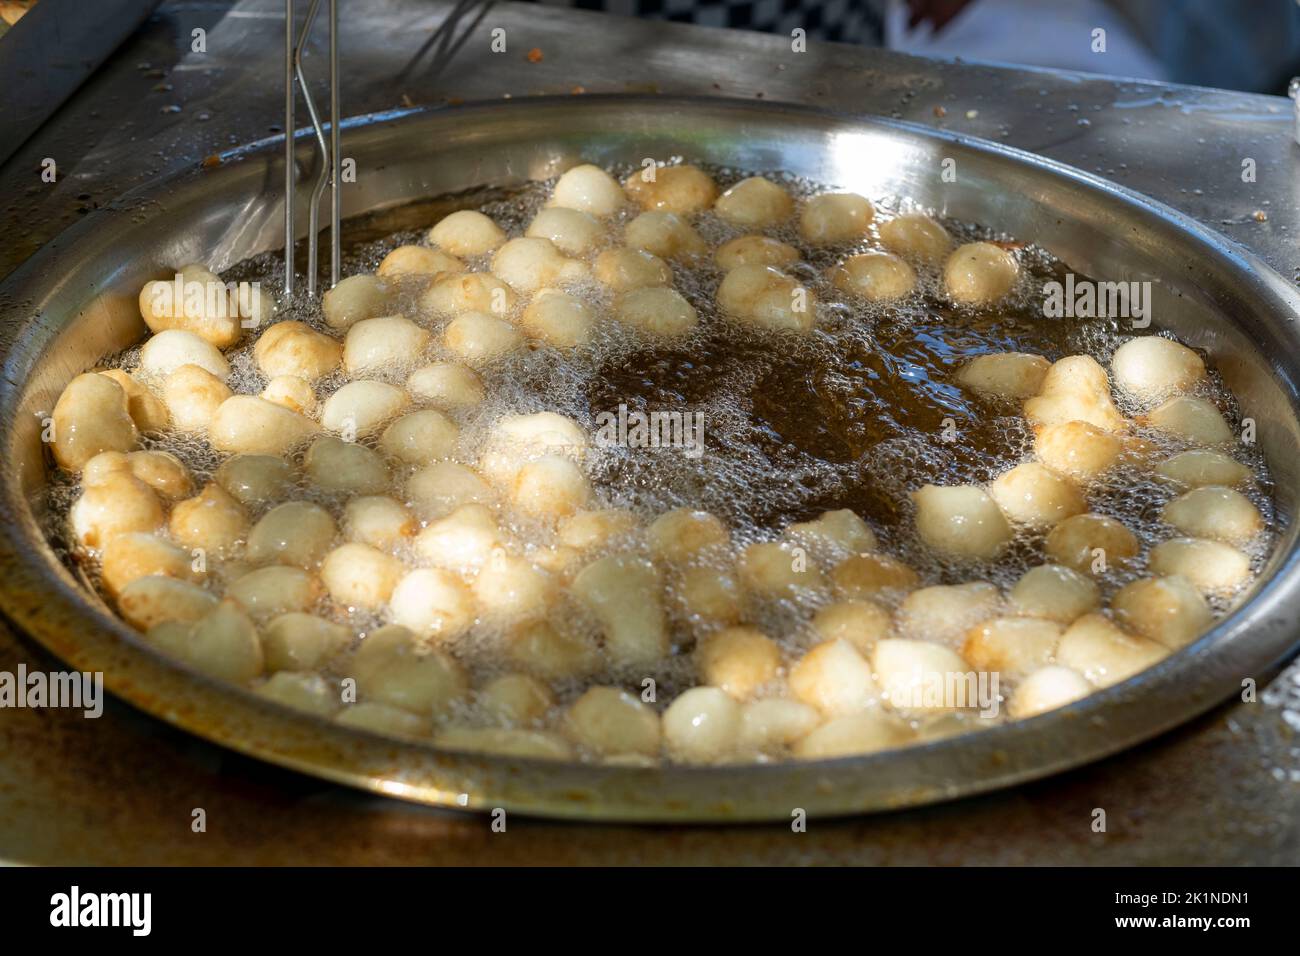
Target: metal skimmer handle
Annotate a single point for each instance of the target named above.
(295, 79)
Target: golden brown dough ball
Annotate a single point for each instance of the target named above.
(755, 203)
(684, 189)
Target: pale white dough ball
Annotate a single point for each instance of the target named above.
(132, 555)
(1199, 466)
(192, 396)
(353, 299)
(302, 642)
(1190, 419)
(860, 623)
(477, 338)
(147, 410)
(440, 488)
(296, 533)
(420, 437)
(574, 232)
(944, 612)
(361, 408)
(1166, 609)
(875, 276)
(295, 348)
(835, 678)
(768, 298)
(921, 676)
(609, 720)
(1220, 514)
(664, 234)
(392, 666)
(308, 692)
(446, 385)
(462, 541)
(1012, 646)
(1076, 374)
(1212, 566)
(1151, 368)
(541, 649)
(212, 520)
(511, 589)
(341, 467)
(588, 189)
(702, 726)
(852, 735)
(246, 424)
(385, 342)
(1005, 375)
(203, 305)
(559, 319)
(357, 575)
(223, 643)
(778, 570)
(1091, 544)
(515, 700)
(432, 603)
(1077, 449)
(293, 393)
(160, 470)
(960, 520)
(916, 236)
(656, 311)
(155, 599)
(417, 261)
(624, 593)
(739, 660)
(755, 251)
(1047, 689)
(774, 723)
(840, 530)
(469, 292)
(550, 487)
(91, 416)
(625, 269)
(274, 590)
(835, 217)
(378, 521)
(167, 351)
(529, 264)
(589, 530)
(1035, 496)
(681, 534)
(1103, 653)
(1053, 592)
(516, 439)
(382, 719)
(708, 595)
(1056, 407)
(255, 479)
(979, 273)
(466, 233)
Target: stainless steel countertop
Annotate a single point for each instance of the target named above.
(121, 789)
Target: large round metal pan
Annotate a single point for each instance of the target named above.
(75, 301)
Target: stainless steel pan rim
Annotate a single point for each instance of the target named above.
(80, 282)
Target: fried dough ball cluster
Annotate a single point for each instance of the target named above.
(353, 555)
